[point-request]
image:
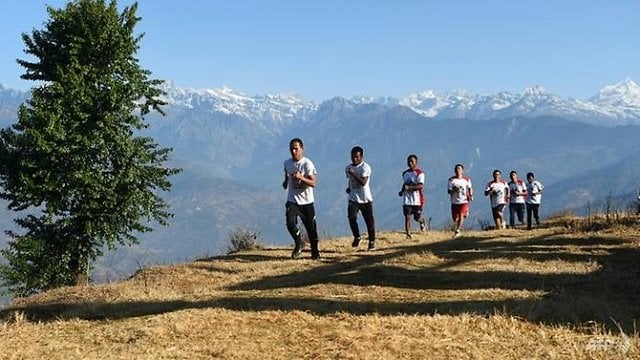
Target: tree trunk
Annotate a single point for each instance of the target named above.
(79, 271)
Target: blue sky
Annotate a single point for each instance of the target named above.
(321, 49)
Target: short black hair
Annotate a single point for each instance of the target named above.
(296, 140)
(462, 166)
(357, 149)
(513, 172)
(497, 171)
(412, 156)
(530, 174)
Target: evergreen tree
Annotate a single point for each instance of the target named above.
(75, 166)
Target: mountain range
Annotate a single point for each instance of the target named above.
(617, 104)
(232, 145)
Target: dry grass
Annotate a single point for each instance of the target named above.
(545, 294)
(616, 220)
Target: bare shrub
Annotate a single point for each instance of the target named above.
(244, 240)
(486, 225)
(566, 219)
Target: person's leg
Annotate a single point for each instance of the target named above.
(407, 226)
(500, 217)
(512, 215)
(494, 214)
(352, 214)
(309, 221)
(417, 216)
(465, 214)
(406, 210)
(520, 212)
(456, 217)
(367, 214)
(292, 211)
(459, 222)
(529, 210)
(535, 213)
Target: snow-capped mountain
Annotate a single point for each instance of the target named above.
(614, 105)
(623, 98)
(267, 110)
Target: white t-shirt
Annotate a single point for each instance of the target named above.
(299, 193)
(514, 187)
(415, 177)
(497, 192)
(461, 190)
(357, 192)
(535, 186)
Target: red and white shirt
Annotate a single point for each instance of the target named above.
(460, 189)
(413, 177)
(498, 192)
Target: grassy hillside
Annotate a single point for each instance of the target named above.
(551, 293)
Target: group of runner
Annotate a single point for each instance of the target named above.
(518, 195)
(300, 179)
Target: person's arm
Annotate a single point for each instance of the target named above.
(450, 189)
(487, 190)
(285, 181)
(536, 188)
(362, 180)
(309, 180)
(521, 190)
(420, 183)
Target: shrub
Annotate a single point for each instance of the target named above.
(244, 240)
(486, 224)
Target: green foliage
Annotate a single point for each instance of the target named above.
(244, 240)
(38, 259)
(74, 159)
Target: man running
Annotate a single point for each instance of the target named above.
(461, 191)
(360, 197)
(412, 195)
(300, 179)
(517, 198)
(534, 197)
(498, 192)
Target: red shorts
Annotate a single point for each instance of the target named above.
(458, 210)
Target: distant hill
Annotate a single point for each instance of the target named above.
(615, 185)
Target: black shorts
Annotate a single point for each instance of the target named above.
(496, 211)
(415, 210)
